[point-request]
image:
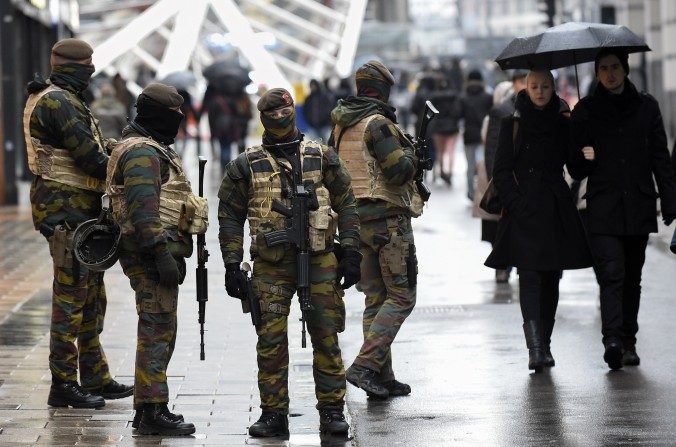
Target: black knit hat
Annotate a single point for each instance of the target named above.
(621, 55)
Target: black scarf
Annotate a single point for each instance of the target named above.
(159, 121)
(611, 107)
(72, 75)
(534, 120)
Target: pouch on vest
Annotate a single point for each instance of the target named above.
(157, 299)
(61, 247)
(269, 254)
(319, 224)
(194, 215)
(394, 255)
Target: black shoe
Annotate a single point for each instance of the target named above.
(270, 424)
(613, 355)
(71, 394)
(367, 380)
(139, 413)
(630, 357)
(447, 178)
(547, 329)
(536, 354)
(113, 390)
(397, 388)
(156, 420)
(332, 421)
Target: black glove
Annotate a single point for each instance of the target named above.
(349, 269)
(234, 277)
(167, 267)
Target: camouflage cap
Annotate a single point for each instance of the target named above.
(374, 69)
(71, 50)
(165, 95)
(274, 99)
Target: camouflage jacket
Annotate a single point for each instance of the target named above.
(397, 159)
(234, 201)
(62, 119)
(142, 170)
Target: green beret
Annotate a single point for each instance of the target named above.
(74, 49)
(166, 95)
(274, 99)
(374, 70)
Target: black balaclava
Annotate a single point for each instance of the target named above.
(158, 120)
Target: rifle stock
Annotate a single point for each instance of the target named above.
(201, 270)
(423, 152)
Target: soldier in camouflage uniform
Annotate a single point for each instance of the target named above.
(252, 181)
(382, 164)
(65, 153)
(147, 186)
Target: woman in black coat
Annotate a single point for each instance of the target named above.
(540, 232)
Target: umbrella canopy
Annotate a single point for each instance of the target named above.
(182, 80)
(568, 44)
(227, 76)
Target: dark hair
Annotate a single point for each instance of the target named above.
(620, 54)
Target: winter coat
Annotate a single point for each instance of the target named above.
(495, 116)
(475, 106)
(630, 144)
(540, 228)
(449, 104)
(317, 108)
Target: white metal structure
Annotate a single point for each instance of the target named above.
(311, 38)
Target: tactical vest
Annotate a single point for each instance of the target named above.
(266, 186)
(368, 181)
(179, 209)
(53, 163)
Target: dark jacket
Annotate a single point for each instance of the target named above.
(317, 108)
(628, 137)
(475, 106)
(541, 228)
(495, 116)
(449, 104)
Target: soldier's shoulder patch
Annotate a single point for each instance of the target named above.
(233, 171)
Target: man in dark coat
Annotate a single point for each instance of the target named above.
(317, 111)
(619, 144)
(476, 103)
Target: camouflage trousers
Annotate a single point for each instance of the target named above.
(275, 284)
(156, 307)
(385, 282)
(78, 309)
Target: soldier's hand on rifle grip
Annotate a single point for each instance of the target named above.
(349, 269)
(234, 278)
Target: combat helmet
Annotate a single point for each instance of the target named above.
(96, 242)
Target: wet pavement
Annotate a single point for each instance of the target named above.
(462, 351)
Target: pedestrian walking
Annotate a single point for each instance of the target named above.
(317, 111)
(110, 112)
(148, 191)
(619, 146)
(65, 152)
(476, 103)
(382, 164)
(445, 129)
(502, 109)
(251, 183)
(540, 232)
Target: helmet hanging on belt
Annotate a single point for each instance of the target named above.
(96, 242)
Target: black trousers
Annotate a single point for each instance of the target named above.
(618, 264)
(538, 294)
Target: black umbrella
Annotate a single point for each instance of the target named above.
(182, 80)
(568, 44)
(227, 76)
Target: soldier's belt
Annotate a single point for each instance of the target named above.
(273, 289)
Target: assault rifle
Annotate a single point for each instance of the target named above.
(422, 151)
(201, 271)
(297, 233)
(250, 303)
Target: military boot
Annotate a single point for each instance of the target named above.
(547, 329)
(332, 421)
(139, 413)
(367, 380)
(536, 354)
(613, 354)
(397, 388)
(630, 357)
(270, 424)
(113, 390)
(71, 394)
(156, 420)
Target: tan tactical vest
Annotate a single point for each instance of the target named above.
(266, 186)
(180, 209)
(53, 163)
(368, 181)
